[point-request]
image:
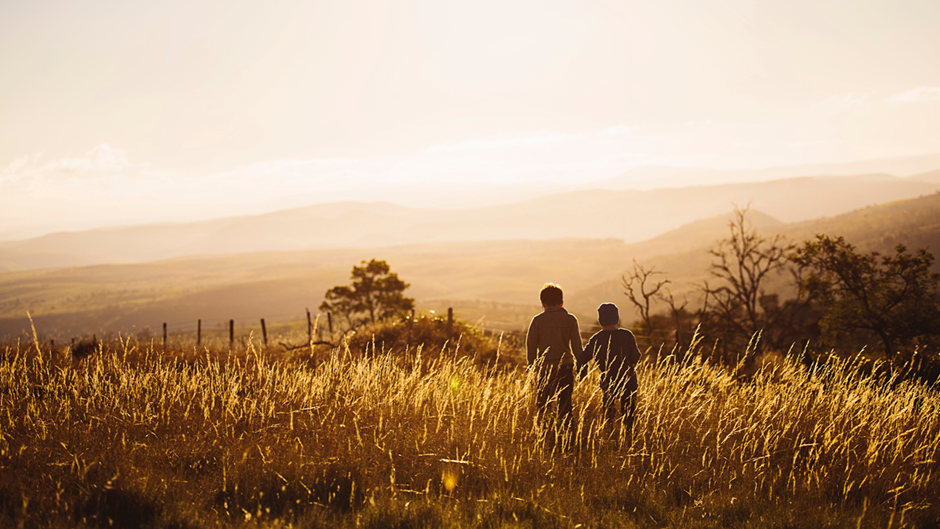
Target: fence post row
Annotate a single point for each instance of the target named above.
(264, 328)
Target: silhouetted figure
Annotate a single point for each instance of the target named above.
(553, 342)
(616, 353)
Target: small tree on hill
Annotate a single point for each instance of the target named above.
(892, 296)
(375, 294)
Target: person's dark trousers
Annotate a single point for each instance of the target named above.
(627, 406)
(556, 382)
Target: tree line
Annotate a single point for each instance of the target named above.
(834, 295)
(826, 293)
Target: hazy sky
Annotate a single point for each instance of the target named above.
(119, 111)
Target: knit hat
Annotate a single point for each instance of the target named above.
(608, 314)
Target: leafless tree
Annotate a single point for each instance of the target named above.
(741, 264)
(641, 287)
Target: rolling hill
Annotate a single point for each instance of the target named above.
(628, 215)
(494, 280)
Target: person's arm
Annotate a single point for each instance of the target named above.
(532, 342)
(633, 350)
(576, 349)
(585, 358)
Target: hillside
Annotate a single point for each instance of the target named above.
(279, 285)
(493, 280)
(682, 254)
(628, 215)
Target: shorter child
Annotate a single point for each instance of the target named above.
(616, 353)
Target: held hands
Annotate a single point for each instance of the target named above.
(582, 370)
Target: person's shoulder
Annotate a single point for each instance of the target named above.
(600, 336)
(535, 319)
(627, 339)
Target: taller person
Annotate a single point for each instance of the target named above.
(553, 342)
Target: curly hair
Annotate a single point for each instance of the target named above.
(551, 295)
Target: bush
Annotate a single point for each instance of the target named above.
(430, 335)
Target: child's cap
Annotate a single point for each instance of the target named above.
(608, 314)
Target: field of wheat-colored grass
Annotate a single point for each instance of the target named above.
(130, 437)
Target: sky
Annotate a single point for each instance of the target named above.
(117, 112)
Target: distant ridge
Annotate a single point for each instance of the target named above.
(628, 215)
(498, 280)
(665, 176)
(931, 177)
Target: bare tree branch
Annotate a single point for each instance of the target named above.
(741, 266)
(642, 288)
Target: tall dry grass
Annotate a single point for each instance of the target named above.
(128, 437)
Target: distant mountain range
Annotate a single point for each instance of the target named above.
(666, 176)
(628, 215)
(497, 281)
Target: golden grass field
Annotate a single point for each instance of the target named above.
(132, 437)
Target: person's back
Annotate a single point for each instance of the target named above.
(553, 337)
(553, 343)
(616, 353)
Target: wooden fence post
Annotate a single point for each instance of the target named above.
(231, 333)
(264, 332)
(329, 321)
(198, 332)
(450, 321)
(309, 327)
(164, 336)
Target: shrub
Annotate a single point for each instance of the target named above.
(430, 334)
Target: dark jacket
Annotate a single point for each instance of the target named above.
(554, 337)
(616, 354)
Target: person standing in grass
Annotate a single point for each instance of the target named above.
(616, 353)
(553, 342)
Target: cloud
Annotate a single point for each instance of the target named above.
(17, 164)
(921, 93)
(522, 141)
(617, 130)
(103, 158)
(100, 167)
(843, 101)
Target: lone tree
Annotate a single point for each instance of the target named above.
(740, 268)
(375, 294)
(892, 296)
